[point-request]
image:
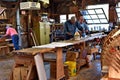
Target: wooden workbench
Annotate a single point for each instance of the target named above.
(36, 51)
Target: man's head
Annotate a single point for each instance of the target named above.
(81, 19)
(73, 19)
(8, 25)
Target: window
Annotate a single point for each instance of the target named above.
(97, 17)
(70, 15)
(98, 27)
(105, 8)
(118, 12)
(63, 18)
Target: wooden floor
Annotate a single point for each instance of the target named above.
(91, 73)
(6, 64)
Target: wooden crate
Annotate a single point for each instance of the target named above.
(24, 68)
(20, 73)
(71, 56)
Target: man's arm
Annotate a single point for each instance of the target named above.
(66, 29)
(4, 36)
(79, 27)
(86, 27)
(7, 33)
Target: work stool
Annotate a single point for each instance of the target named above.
(24, 68)
(4, 50)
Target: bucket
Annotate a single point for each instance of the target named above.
(71, 67)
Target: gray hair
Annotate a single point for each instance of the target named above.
(73, 18)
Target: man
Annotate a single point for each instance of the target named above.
(82, 26)
(14, 35)
(70, 28)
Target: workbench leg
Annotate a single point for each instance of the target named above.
(59, 64)
(40, 67)
(30, 72)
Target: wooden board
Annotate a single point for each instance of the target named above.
(33, 51)
(24, 72)
(40, 67)
(16, 74)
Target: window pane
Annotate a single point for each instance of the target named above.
(118, 5)
(101, 16)
(103, 21)
(99, 11)
(91, 11)
(118, 14)
(63, 18)
(96, 21)
(87, 17)
(94, 16)
(118, 9)
(89, 21)
(84, 12)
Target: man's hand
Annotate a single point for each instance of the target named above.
(86, 31)
(69, 33)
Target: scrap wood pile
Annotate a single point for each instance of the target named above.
(111, 51)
